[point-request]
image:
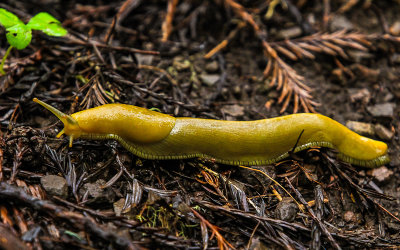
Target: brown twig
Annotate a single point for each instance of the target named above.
(126, 7)
(288, 82)
(363, 192)
(1, 156)
(347, 6)
(162, 71)
(225, 42)
(8, 239)
(73, 40)
(283, 76)
(15, 194)
(222, 242)
(167, 24)
(329, 43)
(321, 225)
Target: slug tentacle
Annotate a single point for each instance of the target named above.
(154, 135)
(71, 126)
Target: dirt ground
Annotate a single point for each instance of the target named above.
(222, 59)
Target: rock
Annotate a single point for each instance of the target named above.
(311, 19)
(395, 28)
(286, 210)
(395, 58)
(257, 244)
(362, 95)
(359, 55)
(341, 224)
(237, 90)
(96, 193)
(309, 169)
(393, 227)
(209, 79)
(361, 127)
(212, 67)
(381, 174)
(340, 22)
(382, 110)
(289, 33)
(383, 133)
(349, 216)
(55, 185)
(233, 110)
(388, 97)
(143, 59)
(118, 207)
(182, 207)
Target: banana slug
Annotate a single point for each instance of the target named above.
(153, 135)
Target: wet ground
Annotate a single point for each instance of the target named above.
(97, 194)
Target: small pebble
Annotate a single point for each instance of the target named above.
(310, 169)
(144, 59)
(362, 95)
(286, 210)
(381, 174)
(383, 133)
(212, 67)
(349, 216)
(359, 55)
(209, 79)
(395, 58)
(382, 110)
(388, 97)
(361, 127)
(257, 244)
(55, 185)
(289, 33)
(393, 226)
(237, 90)
(233, 110)
(341, 22)
(395, 28)
(96, 193)
(118, 206)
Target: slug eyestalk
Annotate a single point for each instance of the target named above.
(70, 124)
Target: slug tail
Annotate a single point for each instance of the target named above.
(376, 162)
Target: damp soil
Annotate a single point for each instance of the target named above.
(116, 200)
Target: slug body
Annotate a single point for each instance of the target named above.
(154, 135)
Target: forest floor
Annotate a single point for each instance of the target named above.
(244, 60)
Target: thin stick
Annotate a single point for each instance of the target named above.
(320, 224)
(277, 183)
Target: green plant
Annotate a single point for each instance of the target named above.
(19, 35)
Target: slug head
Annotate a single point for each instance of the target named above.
(71, 126)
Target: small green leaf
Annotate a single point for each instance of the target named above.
(48, 24)
(70, 233)
(8, 19)
(19, 36)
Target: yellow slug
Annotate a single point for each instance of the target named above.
(153, 135)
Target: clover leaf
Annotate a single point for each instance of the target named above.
(19, 35)
(8, 19)
(48, 24)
